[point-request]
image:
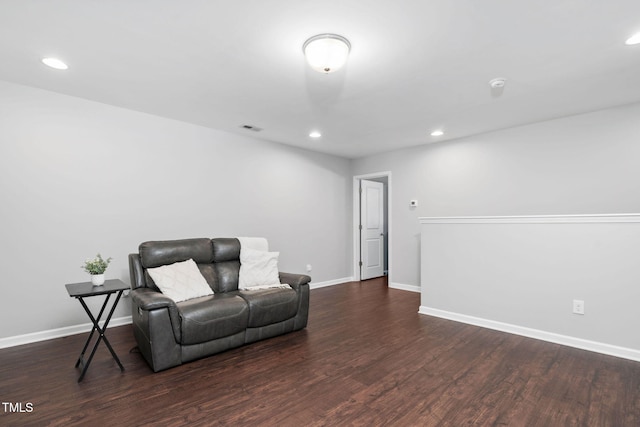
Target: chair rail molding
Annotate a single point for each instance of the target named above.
(533, 219)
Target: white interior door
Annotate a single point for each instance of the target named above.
(371, 229)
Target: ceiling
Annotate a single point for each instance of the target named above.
(415, 65)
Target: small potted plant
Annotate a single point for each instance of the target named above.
(96, 268)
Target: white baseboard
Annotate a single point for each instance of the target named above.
(126, 320)
(317, 285)
(598, 347)
(403, 287)
(57, 333)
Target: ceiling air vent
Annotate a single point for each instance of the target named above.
(251, 128)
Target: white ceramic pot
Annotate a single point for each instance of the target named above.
(97, 279)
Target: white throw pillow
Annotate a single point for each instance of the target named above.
(258, 268)
(180, 281)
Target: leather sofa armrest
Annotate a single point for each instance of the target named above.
(294, 280)
(148, 299)
(152, 301)
(136, 272)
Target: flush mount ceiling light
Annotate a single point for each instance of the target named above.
(326, 53)
(315, 134)
(437, 133)
(634, 39)
(55, 63)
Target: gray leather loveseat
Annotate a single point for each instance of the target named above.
(169, 333)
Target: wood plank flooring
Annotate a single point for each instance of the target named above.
(367, 358)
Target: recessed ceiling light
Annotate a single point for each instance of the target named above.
(55, 63)
(634, 39)
(437, 133)
(315, 134)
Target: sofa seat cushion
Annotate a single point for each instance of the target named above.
(270, 306)
(212, 317)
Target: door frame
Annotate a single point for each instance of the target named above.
(356, 222)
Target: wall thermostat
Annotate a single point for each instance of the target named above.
(413, 203)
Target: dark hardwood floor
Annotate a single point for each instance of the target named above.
(367, 358)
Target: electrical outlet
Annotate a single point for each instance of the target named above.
(578, 306)
(309, 268)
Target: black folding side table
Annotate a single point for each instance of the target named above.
(85, 290)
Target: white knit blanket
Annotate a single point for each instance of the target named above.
(256, 243)
(261, 271)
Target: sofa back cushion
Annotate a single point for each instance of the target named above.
(226, 264)
(157, 253)
(218, 259)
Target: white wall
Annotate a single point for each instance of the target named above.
(520, 274)
(79, 177)
(576, 165)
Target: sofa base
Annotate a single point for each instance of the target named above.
(157, 346)
(198, 351)
(156, 340)
(264, 332)
(187, 353)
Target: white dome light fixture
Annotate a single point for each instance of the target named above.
(326, 53)
(634, 39)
